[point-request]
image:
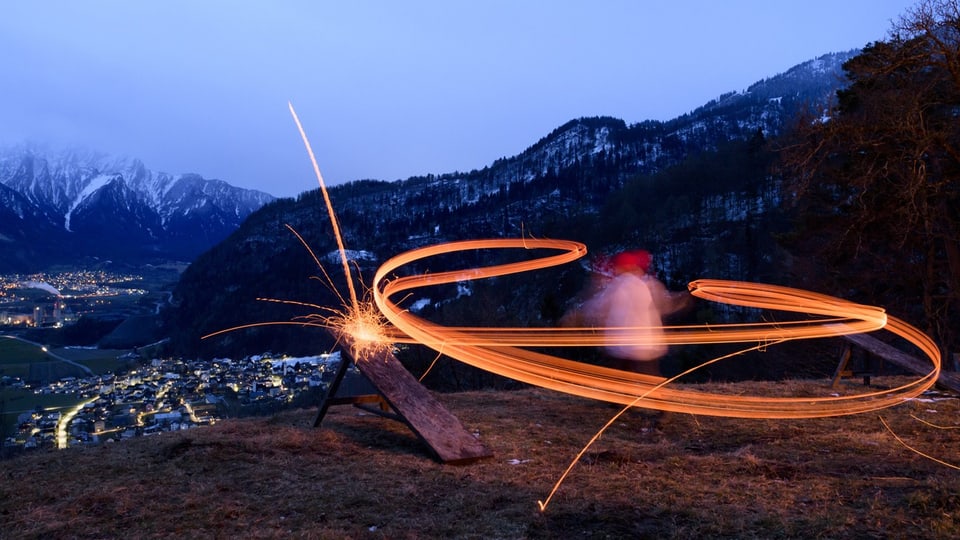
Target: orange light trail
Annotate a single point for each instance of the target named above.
(499, 351)
(354, 303)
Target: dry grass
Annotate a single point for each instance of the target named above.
(362, 476)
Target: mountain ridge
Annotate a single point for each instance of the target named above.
(58, 205)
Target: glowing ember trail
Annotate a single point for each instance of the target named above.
(354, 304)
(360, 320)
(498, 349)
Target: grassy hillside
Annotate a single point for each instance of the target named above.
(363, 476)
(16, 357)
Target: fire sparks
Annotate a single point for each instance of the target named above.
(367, 329)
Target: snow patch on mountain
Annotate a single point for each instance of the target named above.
(94, 184)
(352, 255)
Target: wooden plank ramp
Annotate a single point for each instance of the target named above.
(412, 404)
(949, 380)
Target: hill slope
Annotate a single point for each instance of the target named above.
(362, 476)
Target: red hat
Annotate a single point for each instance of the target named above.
(631, 260)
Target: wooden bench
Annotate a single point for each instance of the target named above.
(947, 379)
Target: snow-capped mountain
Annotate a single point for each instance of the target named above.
(56, 206)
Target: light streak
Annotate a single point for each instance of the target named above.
(330, 212)
(544, 503)
(65, 419)
(499, 351)
(931, 424)
(914, 450)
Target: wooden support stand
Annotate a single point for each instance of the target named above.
(883, 351)
(863, 366)
(410, 402)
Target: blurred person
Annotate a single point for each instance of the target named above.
(632, 301)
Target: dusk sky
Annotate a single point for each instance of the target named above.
(385, 90)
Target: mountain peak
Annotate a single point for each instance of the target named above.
(75, 188)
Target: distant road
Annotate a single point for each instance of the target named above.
(55, 356)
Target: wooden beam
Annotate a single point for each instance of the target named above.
(841, 370)
(947, 379)
(330, 394)
(413, 404)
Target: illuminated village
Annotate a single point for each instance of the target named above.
(166, 395)
(65, 296)
(150, 397)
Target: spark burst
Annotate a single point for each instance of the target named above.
(358, 323)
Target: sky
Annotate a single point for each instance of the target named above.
(385, 90)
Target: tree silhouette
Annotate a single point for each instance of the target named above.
(878, 182)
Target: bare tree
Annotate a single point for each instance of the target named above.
(877, 181)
